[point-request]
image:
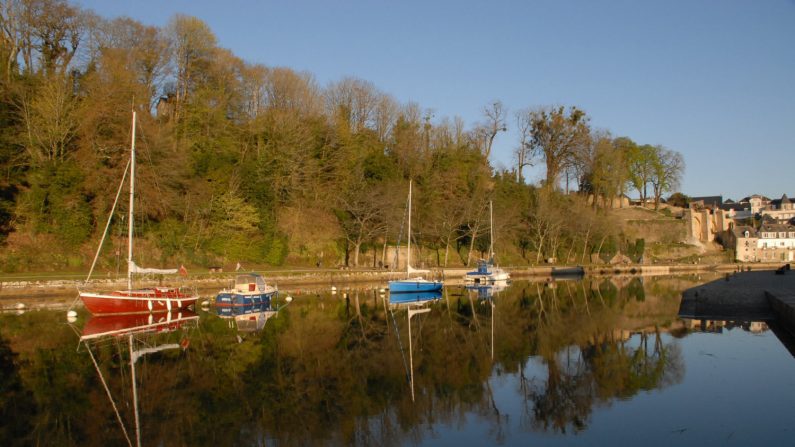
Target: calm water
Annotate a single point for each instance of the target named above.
(594, 362)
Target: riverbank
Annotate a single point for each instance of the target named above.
(21, 286)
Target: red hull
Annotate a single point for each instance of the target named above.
(158, 299)
(122, 324)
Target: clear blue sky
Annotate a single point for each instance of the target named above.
(714, 80)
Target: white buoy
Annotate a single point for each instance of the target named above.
(20, 306)
(206, 303)
(71, 313)
(382, 290)
(333, 288)
(71, 318)
(288, 299)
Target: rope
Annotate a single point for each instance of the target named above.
(107, 390)
(402, 353)
(104, 233)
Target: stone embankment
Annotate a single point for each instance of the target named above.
(33, 286)
(755, 295)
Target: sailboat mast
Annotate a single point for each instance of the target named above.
(132, 197)
(408, 254)
(491, 231)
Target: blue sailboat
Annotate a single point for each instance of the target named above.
(416, 284)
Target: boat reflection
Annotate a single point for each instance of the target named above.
(488, 291)
(143, 336)
(414, 297)
(251, 317)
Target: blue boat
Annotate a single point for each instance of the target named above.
(418, 284)
(249, 290)
(233, 311)
(414, 297)
(414, 285)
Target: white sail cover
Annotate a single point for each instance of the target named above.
(132, 268)
(411, 270)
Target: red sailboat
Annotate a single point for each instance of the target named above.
(151, 299)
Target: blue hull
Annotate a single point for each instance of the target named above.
(230, 299)
(233, 311)
(414, 286)
(414, 297)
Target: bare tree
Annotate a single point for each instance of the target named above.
(556, 134)
(667, 173)
(523, 153)
(495, 123)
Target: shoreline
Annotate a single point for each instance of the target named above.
(38, 286)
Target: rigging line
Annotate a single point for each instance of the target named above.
(400, 235)
(105, 232)
(400, 344)
(110, 397)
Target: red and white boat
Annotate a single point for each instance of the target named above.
(143, 300)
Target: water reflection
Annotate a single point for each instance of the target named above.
(133, 337)
(489, 365)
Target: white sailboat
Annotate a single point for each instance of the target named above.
(487, 272)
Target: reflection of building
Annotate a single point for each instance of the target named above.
(717, 326)
(771, 243)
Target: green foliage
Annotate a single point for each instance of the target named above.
(635, 250)
(56, 204)
(609, 249)
(243, 162)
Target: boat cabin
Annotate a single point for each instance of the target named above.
(250, 282)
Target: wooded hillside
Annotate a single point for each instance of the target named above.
(242, 162)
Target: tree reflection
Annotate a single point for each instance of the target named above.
(331, 369)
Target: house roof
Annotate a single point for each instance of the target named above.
(713, 201)
(755, 196)
(740, 230)
(776, 227)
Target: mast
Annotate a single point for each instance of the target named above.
(491, 232)
(408, 254)
(133, 358)
(132, 197)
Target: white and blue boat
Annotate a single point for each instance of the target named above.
(412, 285)
(249, 290)
(487, 272)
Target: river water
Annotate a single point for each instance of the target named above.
(600, 361)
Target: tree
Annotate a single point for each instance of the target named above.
(523, 153)
(495, 123)
(678, 199)
(641, 160)
(669, 166)
(555, 134)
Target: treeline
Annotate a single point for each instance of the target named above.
(245, 162)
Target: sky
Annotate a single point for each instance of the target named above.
(714, 80)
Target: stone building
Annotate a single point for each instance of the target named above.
(771, 243)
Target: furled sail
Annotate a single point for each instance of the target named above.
(411, 270)
(133, 268)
